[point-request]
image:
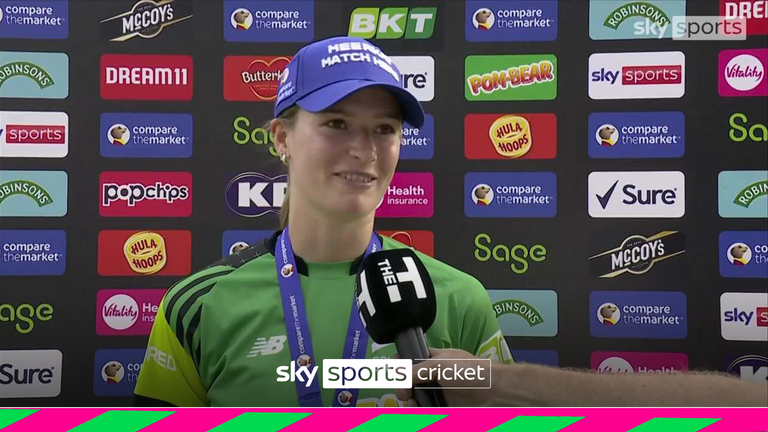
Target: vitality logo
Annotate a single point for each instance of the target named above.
(409, 194)
(127, 312)
(525, 313)
(607, 362)
(393, 23)
(146, 19)
(637, 254)
(742, 72)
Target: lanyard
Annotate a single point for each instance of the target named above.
(296, 323)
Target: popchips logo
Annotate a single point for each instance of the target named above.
(742, 72)
(34, 134)
(510, 136)
(510, 77)
(638, 314)
(744, 254)
(137, 193)
(147, 19)
(146, 77)
(639, 75)
(636, 135)
(253, 78)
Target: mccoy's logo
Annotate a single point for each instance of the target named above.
(146, 19)
(253, 78)
(637, 254)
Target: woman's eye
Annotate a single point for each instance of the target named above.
(385, 129)
(336, 124)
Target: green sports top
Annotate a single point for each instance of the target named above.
(219, 334)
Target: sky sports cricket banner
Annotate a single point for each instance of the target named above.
(611, 197)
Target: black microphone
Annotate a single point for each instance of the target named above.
(396, 300)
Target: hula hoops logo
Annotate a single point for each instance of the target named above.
(27, 188)
(145, 252)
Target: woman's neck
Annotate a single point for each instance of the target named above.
(321, 239)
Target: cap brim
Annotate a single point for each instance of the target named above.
(325, 97)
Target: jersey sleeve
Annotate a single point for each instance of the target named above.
(170, 372)
(480, 333)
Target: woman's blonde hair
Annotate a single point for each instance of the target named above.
(289, 118)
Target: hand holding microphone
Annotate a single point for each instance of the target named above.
(396, 299)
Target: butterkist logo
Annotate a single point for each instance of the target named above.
(146, 77)
(253, 78)
(146, 19)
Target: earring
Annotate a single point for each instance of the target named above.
(284, 158)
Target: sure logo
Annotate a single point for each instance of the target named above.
(34, 134)
(393, 23)
(636, 135)
(510, 136)
(145, 193)
(146, 19)
(253, 78)
(638, 75)
(30, 374)
(35, 75)
(253, 194)
(417, 75)
(637, 194)
(146, 77)
(637, 254)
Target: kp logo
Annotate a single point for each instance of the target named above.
(146, 77)
(639, 75)
(147, 19)
(253, 194)
(34, 75)
(33, 193)
(144, 253)
(637, 254)
(743, 194)
(253, 79)
(637, 194)
(510, 136)
(752, 368)
(34, 134)
(639, 314)
(744, 316)
(137, 193)
(422, 241)
(523, 20)
(744, 254)
(743, 72)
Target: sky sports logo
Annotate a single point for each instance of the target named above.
(744, 316)
(417, 75)
(525, 312)
(410, 194)
(638, 75)
(619, 135)
(128, 312)
(30, 374)
(144, 253)
(500, 21)
(253, 194)
(608, 362)
(743, 254)
(742, 194)
(637, 254)
(638, 314)
(510, 77)
(146, 77)
(637, 194)
(509, 195)
(622, 19)
(253, 78)
(33, 193)
(146, 135)
(34, 134)
(116, 371)
(146, 20)
(34, 19)
(269, 21)
(742, 72)
(393, 23)
(33, 252)
(510, 136)
(145, 193)
(34, 75)
(754, 11)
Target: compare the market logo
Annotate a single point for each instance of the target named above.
(33, 71)
(511, 77)
(637, 9)
(637, 254)
(393, 23)
(519, 308)
(146, 19)
(27, 188)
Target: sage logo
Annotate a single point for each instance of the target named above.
(33, 193)
(146, 135)
(608, 362)
(636, 135)
(510, 77)
(637, 75)
(269, 20)
(638, 314)
(35, 75)
(639, 194)
(34, 134)
(742, 130)
(743, 254)
(506, 194)
(526, 20)
(34, 19)
(637, 254)
(146, 19)
(518, 257)
(418, 143)
(754, 11)
(244, 133)
(393, 23)
(525, 312)
(116, 371)
(752, 368)
(744, 316)
(417, 74)
(233, 241)
(24, 316)
(742, 72)
(30, 373)
(742, 194)
(622, 19)
(253, 194)
(33, 252)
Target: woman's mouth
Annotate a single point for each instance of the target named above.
(357, 177)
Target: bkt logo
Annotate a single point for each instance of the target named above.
(30, 374)
(638, 194)
(640, 75)
(393, 23)
(752, 368)
(744, 316)
(417, 74)
(253, 194)
(137, 193)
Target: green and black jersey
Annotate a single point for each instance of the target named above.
(220, 334)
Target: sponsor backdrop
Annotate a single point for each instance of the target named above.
(607, 183)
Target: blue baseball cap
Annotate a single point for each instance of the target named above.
(325, 72)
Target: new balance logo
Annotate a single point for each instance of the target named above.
(274, 345)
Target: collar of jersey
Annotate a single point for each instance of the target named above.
(321, 270)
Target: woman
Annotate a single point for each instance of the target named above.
(221, 334)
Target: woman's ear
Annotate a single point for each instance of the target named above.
(278, 129)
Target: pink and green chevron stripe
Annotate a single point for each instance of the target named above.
(395, 420)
